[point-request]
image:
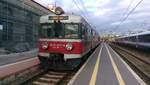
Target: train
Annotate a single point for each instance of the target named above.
(65, 39)
(137, 41)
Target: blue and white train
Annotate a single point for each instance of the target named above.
(140, 40)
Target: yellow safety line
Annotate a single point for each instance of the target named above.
(94, 75)
(118, 75)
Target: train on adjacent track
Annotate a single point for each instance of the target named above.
(65, 39)
(138, 41)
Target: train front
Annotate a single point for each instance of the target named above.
(59, 41)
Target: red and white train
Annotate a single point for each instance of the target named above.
(65, 39)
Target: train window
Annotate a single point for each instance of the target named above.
(84, 32)
(47, 31)
(60, 30)
(145, 38)
(71, 30)
(55, 30)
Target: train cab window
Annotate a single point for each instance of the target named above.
(71, 30)
(47, 31)
(52, 30)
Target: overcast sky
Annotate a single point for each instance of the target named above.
(107, 14)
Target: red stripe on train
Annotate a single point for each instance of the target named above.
(60, 47)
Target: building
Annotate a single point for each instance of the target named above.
(19, 24)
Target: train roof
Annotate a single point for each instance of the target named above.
(72, 18)
(139, 34)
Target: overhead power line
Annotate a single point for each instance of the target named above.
(83, 13)
(83, 5)
(126, 11)
(130, 12)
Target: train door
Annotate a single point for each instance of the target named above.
(85, 37)
(58, 29)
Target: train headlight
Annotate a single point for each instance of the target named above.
(69, 46)
(44, 45)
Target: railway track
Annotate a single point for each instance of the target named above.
(140, 65)
(49, 78)
(137, 57)
(55, 77)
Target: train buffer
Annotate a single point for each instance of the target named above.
(106, 67)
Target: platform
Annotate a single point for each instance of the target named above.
(16, 57)
(105, 67)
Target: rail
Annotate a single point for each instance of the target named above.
(139, 64)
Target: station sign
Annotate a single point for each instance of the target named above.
(58, 17)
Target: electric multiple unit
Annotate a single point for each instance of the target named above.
(65, 38)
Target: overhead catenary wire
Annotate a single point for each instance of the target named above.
(83, 5)
(130, 12)
(85, 11)
(126, 11)
(83, 14)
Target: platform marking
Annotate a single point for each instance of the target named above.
(129, 68)
(118, 75)
(76, 75)
(94, 75)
